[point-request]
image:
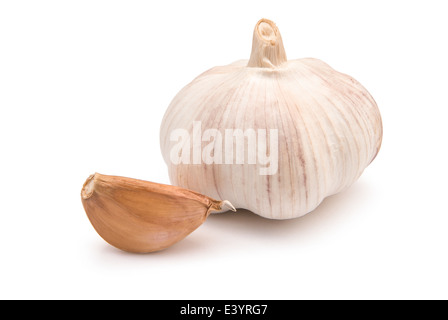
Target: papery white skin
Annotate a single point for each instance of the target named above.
(329, 129)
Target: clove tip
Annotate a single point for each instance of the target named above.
(227, 203)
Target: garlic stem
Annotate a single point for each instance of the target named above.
(267, 46)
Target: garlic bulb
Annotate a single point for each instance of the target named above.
(272, 136)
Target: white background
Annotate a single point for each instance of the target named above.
(84, 86)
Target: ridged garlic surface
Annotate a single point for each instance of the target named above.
(328, 130)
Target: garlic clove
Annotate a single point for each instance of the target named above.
(141, 216)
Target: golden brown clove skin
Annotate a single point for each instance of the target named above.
(141, 216)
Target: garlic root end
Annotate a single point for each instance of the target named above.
(89, 187)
